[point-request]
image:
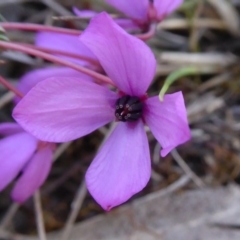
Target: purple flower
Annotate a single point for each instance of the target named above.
(126, 24)
(23, 153)
(66, 43)
(144, 11)
(63, 109)
(30, 79)
(84, 13)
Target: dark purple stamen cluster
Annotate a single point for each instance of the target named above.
(128, 109)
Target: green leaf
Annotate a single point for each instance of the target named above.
(174, 76)
(3, 36)
(188, 5)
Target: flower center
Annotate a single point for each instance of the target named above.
(128, 109)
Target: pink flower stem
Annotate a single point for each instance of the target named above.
(51, 58)
(44, 28)
(9, 86)
(67, 54)
(149, 34)
(38, 27)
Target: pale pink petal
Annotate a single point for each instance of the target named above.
(15, 151)
(30, 79)
(122, 167)
(9, 129)
(127, 60)
(63, 109)
(64, 42)
(84, 13)
(126, 24)
(33, 176)
(167, 121)
(136, 9)
(165, 7)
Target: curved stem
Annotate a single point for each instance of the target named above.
(149, 34)
(63, 53)
(9, 86)
(51, 58)
(38, 27)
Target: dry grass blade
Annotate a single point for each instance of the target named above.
(19, 57)
(39, 216)
(180, 24)
(203, 106)
(6, 98)
(181, 182)
(194, 34)
(228, 14)
(9, 216)
(63, 147)
(215, 81)
(76, 206)
(187, 169)
(57, 7)
(198, 59)
(205, 63)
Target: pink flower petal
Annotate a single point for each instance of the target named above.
(30, 79)
(33, 175)
(136, 9)
(167, 120)
(63, 109)
(15, 151)
(63, 42)
(127, 60)
(84, 13)
(126, 24)
(122, 167)
(9, 129)
(165, 7)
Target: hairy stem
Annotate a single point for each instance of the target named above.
(149, 34)
(51, 58)
(44, 28)
(9, 86)
(38, 27)
(63, 53)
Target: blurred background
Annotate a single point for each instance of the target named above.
(194, 192)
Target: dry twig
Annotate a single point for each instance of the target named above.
(39, 216)
(8, 216)
(187, 169)
(75, 206)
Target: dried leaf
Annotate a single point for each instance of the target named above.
(229, 14)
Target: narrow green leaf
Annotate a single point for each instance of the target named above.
(174, 76)
(188, 5)
(3, 37)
